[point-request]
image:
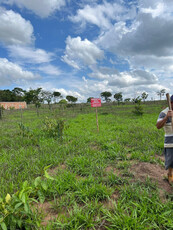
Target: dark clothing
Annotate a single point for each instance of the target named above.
(168, 157)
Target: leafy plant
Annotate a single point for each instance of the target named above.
(138, 107)
(53, 128)
(25, 131)
(15, 211)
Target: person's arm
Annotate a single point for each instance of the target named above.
(162, 122)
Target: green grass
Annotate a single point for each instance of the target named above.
(82, 191)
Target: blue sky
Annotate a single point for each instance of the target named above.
(83, 48)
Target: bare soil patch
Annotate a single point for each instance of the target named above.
(47, 212)
(53, 171)
(109, 169)
(156, 173)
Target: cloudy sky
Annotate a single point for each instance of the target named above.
(85, 47)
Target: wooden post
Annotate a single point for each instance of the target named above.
(97, 120)
(170, 107)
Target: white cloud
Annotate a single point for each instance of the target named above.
(124, 79)
(11, 73)
(30, 55)
(49, 69)
(155, 12)
(14, 29)
(101, 15)
(42, 8)
(80, 52)
(147, 42)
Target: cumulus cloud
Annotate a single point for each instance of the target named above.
(80, 52)
(30, 54)
(14, 29)
(124, 79)
(146, 42)
(134, 78)
(11, 73)
(102, 15)
(152, 37)
(42, 8)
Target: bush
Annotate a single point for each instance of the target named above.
(53, 128)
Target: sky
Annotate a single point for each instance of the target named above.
(82, 48)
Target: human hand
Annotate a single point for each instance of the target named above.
(170, 113)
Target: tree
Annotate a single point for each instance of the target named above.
(144, 96)
(19, 93)
(47, 96)
(56, 95)
(127, 99)
(118, 97)
(63, 101)
(161, 93)
(106, 96)
(89, 99)
(71, 99)
(34, 96)
(7, 95)
(137, 100)
(138, 107)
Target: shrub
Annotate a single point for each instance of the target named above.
(53, 128)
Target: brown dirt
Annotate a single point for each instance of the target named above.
(112, 169)
(156, 173)
(47, 212)
(53, 171)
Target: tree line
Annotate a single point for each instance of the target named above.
(119, 97)
(34, 96)
(38, 96)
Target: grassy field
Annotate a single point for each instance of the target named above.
(59, 172)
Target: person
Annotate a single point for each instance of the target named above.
(164, 120)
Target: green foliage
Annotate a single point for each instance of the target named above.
(118, 97)
(63, 101)
(71, 99)
(56, 95)
(15, 211)
(17, 94)
(79, 218)
(53, 128)
(25, 131)
(89, 99)
(138, 110)
(144, 96)
(89, 181)
(138, 107)
(47, 96)
(106, 96)
(34, 96)
(139, 204)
